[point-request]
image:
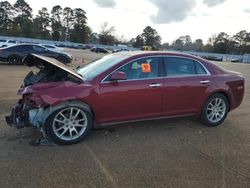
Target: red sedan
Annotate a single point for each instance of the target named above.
(123, 87)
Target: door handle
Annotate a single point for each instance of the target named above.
(155, 85)
(205, 81)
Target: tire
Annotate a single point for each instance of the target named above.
(15, 60)
(62, 59)
(63, 129)
(215, 110)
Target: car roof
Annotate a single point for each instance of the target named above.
(153, 53)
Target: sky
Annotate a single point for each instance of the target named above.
(171, 18)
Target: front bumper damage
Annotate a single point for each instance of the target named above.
(18, 117)
(23, 116)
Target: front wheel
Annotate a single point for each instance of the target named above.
(62, 59)
(215, 110)
(69, 125)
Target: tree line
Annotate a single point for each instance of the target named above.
(221, 43)
(66, 24)
(63, 24)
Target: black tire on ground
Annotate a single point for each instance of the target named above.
(62, 59)
(51, 124)
(15, 60)
(209, 109)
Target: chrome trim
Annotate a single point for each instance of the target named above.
(155, 85)
(147, 119)
(156, 56)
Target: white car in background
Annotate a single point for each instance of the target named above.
(7, 43)
(52, 47)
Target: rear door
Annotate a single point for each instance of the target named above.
(185, 85)
(138, 97)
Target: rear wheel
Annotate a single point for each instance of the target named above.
(15, 60)
(69, 125)
(215, 110)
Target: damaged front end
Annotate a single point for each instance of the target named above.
(19, 116)
(28, 112)
(32, 109)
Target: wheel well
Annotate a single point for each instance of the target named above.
(225, 95)
(82, 102)
(90, 108)
(13, 55)
(50, 109)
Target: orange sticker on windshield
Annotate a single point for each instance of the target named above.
(146, 67)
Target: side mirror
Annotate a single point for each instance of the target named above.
(118, 76)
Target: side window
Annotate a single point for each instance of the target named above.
(38, 49)
(140, 69)
(200, 69)
(26, 48)
(15, 48)
(12, 41)
(175, 66)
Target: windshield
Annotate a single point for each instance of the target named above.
(91, 70)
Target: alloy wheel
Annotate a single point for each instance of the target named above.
(70, 123)
(216, 110)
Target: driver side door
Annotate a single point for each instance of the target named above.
(138, 97)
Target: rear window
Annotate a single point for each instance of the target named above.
(12, 41)
(2, 40)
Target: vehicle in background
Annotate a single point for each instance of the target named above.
(67, 103)
(81, 46)
(236, 60)
(60, 45)
(213, 58)
(7, 43)
(147, 48)
(93, 49)
(120, 50)
(99, 50)
(15, 54)
(52, 47)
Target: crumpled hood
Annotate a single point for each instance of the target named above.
(46, 62)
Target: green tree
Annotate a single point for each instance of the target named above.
(188, 45)
(151, 37)
(68, 21)
(23, 19)
(6, 15)
(221, 43)
(208, 48)
(182, 43)
(80, 32)
(178, 44)
(56, 22)
(139, 42)
(165, 46)
(106, 35)
(42, 23)
(198, 45)
(240, 37)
